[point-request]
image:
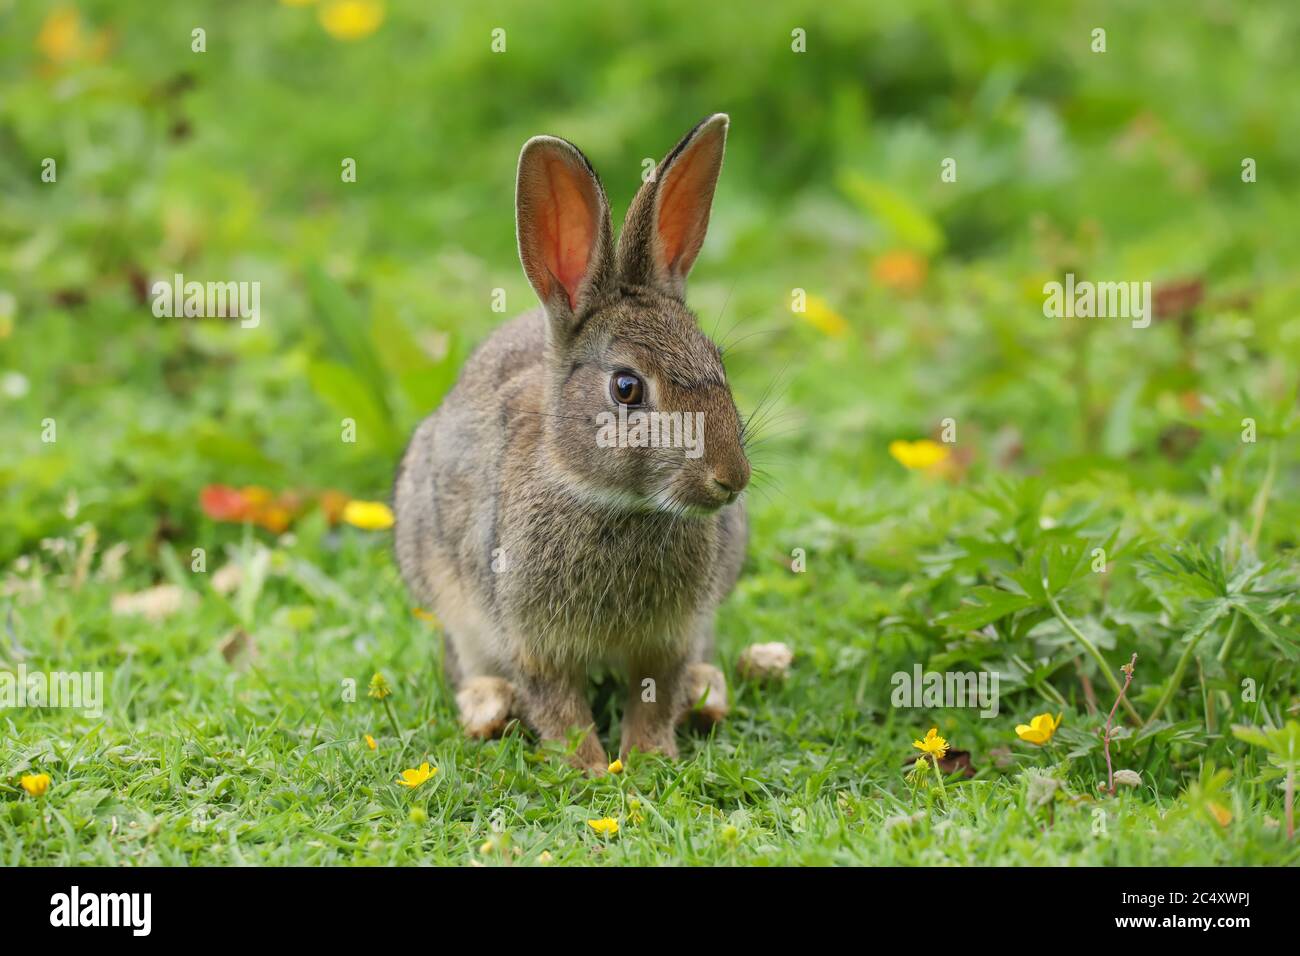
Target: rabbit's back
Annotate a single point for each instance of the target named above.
(450, 476)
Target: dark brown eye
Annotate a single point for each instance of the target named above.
(626, 388)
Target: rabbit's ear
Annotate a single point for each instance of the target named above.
(666, 222)
(562, 218)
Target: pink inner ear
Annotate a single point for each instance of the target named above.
(568, 227)
(684, 201)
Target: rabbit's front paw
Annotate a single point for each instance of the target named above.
(486, 704)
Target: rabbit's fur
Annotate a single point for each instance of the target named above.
(542, 552)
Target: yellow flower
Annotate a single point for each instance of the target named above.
(35, 783)
(818, 313)
(424, 615)
(413, 778)
(606, 826)
(60, 37)
(351, 19)
(370, 742)
(379, 687)
(1039, 730)
(368, 515)
(545, 857)
(616, 767)
(923, 454)
(933, 744)
(920, 772)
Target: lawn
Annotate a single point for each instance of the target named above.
(946, 478)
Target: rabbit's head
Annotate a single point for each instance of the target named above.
(638, 412)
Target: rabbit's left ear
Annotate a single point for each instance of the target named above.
(666, 222)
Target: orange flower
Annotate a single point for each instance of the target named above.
(902, 271)
(332, 504)
(223, 503)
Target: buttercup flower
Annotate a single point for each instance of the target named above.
(379, 687)
(634, 814)
(351, 19)
(818, 313)
(616, 767)
(413, 778)
(1039, 730)
(370, 742)
(918, 455)
(606, 826)
(933, 744)
(368, 515)
(35, 783)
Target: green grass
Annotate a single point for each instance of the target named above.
(1071, 435)
(194, 761)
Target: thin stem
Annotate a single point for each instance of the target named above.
(1110, 718)
(1048, 692)
(1261, 499)
(1227, 641)
(1290, 804)
(938, 775)
(1176, 680)
(392, 719)
(1091, 648)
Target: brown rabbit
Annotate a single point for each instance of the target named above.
(545, 546)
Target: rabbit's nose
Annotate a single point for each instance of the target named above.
(733, 478)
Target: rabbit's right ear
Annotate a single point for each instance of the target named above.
(565, 238)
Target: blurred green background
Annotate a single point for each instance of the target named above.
(225, 165)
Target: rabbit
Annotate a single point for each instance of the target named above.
(543, 553)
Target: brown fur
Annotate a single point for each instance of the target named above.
(541, 552)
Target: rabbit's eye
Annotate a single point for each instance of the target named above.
(626, 388)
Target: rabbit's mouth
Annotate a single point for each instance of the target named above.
(698, 503)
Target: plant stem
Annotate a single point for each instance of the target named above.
(1091, 648)
(1227, 641)
(938, 774)
(1110, 718)
(388, 708)
(1290, 804)
(1046, 690)
(1181, 667)
(1261, 499)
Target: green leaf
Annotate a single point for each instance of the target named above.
(907, 224)
(345, 392)
(994, 604)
